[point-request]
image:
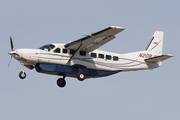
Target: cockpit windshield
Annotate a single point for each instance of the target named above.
(47, 47)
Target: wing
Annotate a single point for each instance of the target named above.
(158, 58)
(95, 40)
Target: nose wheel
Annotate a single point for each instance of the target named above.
(22, 74)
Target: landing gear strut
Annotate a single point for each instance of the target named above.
(61, 82)
(22, 74)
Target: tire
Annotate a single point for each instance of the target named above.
(22, 75)
(81, 76)
(61, 82)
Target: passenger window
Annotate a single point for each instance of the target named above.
(82, 53)
(57, 50)
(65, 51)
(108, 57)
(101, 56)
(72, 51)
(115, 58)
(93, 55)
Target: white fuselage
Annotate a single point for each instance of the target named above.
(110, 61)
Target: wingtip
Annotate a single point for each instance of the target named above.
(170, 55)
(118, 27)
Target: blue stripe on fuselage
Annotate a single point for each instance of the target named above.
(74, 70)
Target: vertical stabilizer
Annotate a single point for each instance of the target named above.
(156, 43)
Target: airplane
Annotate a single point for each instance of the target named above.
(81, 59)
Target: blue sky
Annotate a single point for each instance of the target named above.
(141, 95)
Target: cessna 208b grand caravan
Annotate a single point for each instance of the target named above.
(82, 60)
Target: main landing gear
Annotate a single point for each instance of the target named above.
(22, 74)
(81, 76)
(61, 82)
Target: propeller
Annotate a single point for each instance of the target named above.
(12, 49)
(10, 61)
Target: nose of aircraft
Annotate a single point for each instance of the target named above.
(15, 54)
(12, 53)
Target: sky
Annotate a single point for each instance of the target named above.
(140, 95)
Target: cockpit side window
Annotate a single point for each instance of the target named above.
(57, 50)
(47, 47)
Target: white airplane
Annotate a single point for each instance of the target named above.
(81, 60)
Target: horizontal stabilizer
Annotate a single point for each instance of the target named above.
(158, 58)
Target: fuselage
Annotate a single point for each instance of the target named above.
(95, 60)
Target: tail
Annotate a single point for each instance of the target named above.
(156, 44)
(155, 47)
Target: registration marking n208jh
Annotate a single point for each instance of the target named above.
(144, 55)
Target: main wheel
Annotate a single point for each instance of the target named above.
(22, 75)
(61, 82)
(81, 76)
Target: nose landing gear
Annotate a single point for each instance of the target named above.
(22, 74)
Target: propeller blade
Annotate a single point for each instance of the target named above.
(12, 47)
(10, 61)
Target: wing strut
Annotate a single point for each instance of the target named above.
(74, 54)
